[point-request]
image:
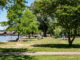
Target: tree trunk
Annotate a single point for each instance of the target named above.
(29, 36)
(45, 27)
(45, 32)
(18, 37)
(69, 39)
(70, 43)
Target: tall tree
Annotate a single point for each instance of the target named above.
(39, 9)
(68, 17)
(15, 12)
(29, 23)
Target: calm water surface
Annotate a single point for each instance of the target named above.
(5, 38)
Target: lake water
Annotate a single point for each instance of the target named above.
(5, 38)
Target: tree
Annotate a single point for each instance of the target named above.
(68, 17)
(39, 10)
(43, 20)
(28, 23)
(15, 12)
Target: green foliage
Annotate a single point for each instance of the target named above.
(15, 12)
(68, 17)
(4, 23)
(28, 22)
(52, 25)
(57, 31)
(41, 8)
(20, 20)
(45, 6)
(68, 13)
(3, 3)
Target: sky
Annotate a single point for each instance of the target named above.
(3, 14)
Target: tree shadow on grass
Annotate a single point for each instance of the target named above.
(16, 57)
(56, 45)
(13, 49)
(27, 40)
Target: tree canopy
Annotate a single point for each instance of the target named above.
(29, 22)
(39, 7)
(68, 17)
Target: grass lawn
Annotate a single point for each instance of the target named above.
(58, 57)
(40, 57)
(46, 44)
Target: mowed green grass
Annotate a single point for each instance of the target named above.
(55, 45)
(58, 57)
(40, 57)
(47, 44)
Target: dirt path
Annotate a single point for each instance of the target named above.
(39, 53)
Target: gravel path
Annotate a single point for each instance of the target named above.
(39, 53)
